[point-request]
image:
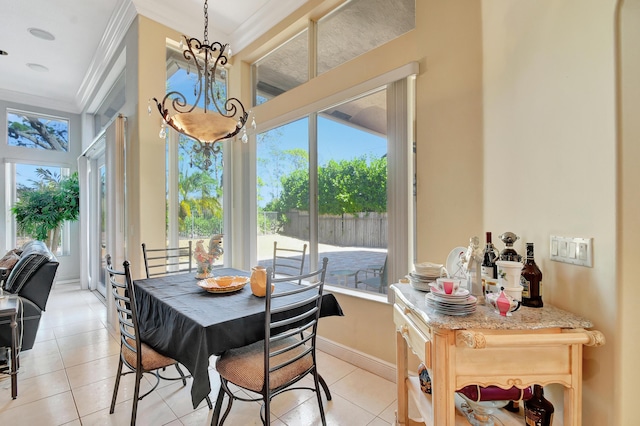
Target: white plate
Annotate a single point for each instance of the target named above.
(454, 264)
(435, 299)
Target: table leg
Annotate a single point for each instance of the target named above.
(573, 394)
(443, 389)
(402, 373)
(14, 357)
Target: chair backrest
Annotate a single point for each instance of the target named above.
(122, 290)
(288, 261)
(168, 260)
(307, 304)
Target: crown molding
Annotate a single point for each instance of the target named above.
(271, 13)
(119, 23)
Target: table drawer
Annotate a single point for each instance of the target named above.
(416, 333)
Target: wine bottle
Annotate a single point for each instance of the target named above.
(531, 280)
(489, 267)
(538, 411)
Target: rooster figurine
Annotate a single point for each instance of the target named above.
(215, 246)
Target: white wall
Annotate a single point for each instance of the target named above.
(550, 158)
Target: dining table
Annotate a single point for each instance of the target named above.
(184, 321)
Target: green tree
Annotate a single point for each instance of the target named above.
(346, 186)
(36, 132)
(40, 211)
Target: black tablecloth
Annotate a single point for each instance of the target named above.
(183, 321)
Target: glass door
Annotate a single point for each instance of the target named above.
(97, 216)
(101, 284)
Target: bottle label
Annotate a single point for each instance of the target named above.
(525, 287)
(532, 417)
(487, 271)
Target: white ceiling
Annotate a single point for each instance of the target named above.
(79, 26)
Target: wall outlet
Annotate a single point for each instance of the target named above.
(576, 251)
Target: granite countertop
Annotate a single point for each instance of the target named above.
(486, 318)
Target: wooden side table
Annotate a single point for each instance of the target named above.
(9, 309)
(532, 346)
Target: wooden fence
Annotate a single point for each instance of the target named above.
(357, 230)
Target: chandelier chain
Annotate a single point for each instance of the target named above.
(206, 22)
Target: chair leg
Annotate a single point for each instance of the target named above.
(228, 410)
(136, 392)
(317, 379)
(267, 410)
(184, 380)
(216, 411)
(115, 387)
(325, 387)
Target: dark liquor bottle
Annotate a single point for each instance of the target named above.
(538, 411)
(513, 406)
(531, 280)
(489, 267)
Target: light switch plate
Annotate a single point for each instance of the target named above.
(576, 251)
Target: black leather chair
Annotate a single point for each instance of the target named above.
(31, 279)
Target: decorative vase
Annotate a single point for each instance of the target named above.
(258, 281)
(509, 273)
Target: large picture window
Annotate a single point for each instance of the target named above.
(349, 221)
(34, 131)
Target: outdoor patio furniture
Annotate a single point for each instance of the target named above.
(378, 281)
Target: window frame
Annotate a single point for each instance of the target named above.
(400, 206)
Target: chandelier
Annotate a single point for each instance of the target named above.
(211, 122)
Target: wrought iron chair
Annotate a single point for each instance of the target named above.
(288, 261)
(168, 260)
(139, 357)
(271, 366)
(379, 279)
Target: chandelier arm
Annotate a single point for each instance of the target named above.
(189, 54)
(220, 59)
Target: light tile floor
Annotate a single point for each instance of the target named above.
(68, 377)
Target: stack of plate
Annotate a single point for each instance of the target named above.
(424, 274)
(458, 303)
(421, 282)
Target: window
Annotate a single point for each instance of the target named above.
(352, 191)
(28, 177)
(35, 131)
(283, 188)
(360, 26)
(357, 27)
(282, 69)
(362, 151)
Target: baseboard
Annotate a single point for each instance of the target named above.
(65, 282)
(381, 368)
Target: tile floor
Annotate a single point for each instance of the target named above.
(68, 377)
